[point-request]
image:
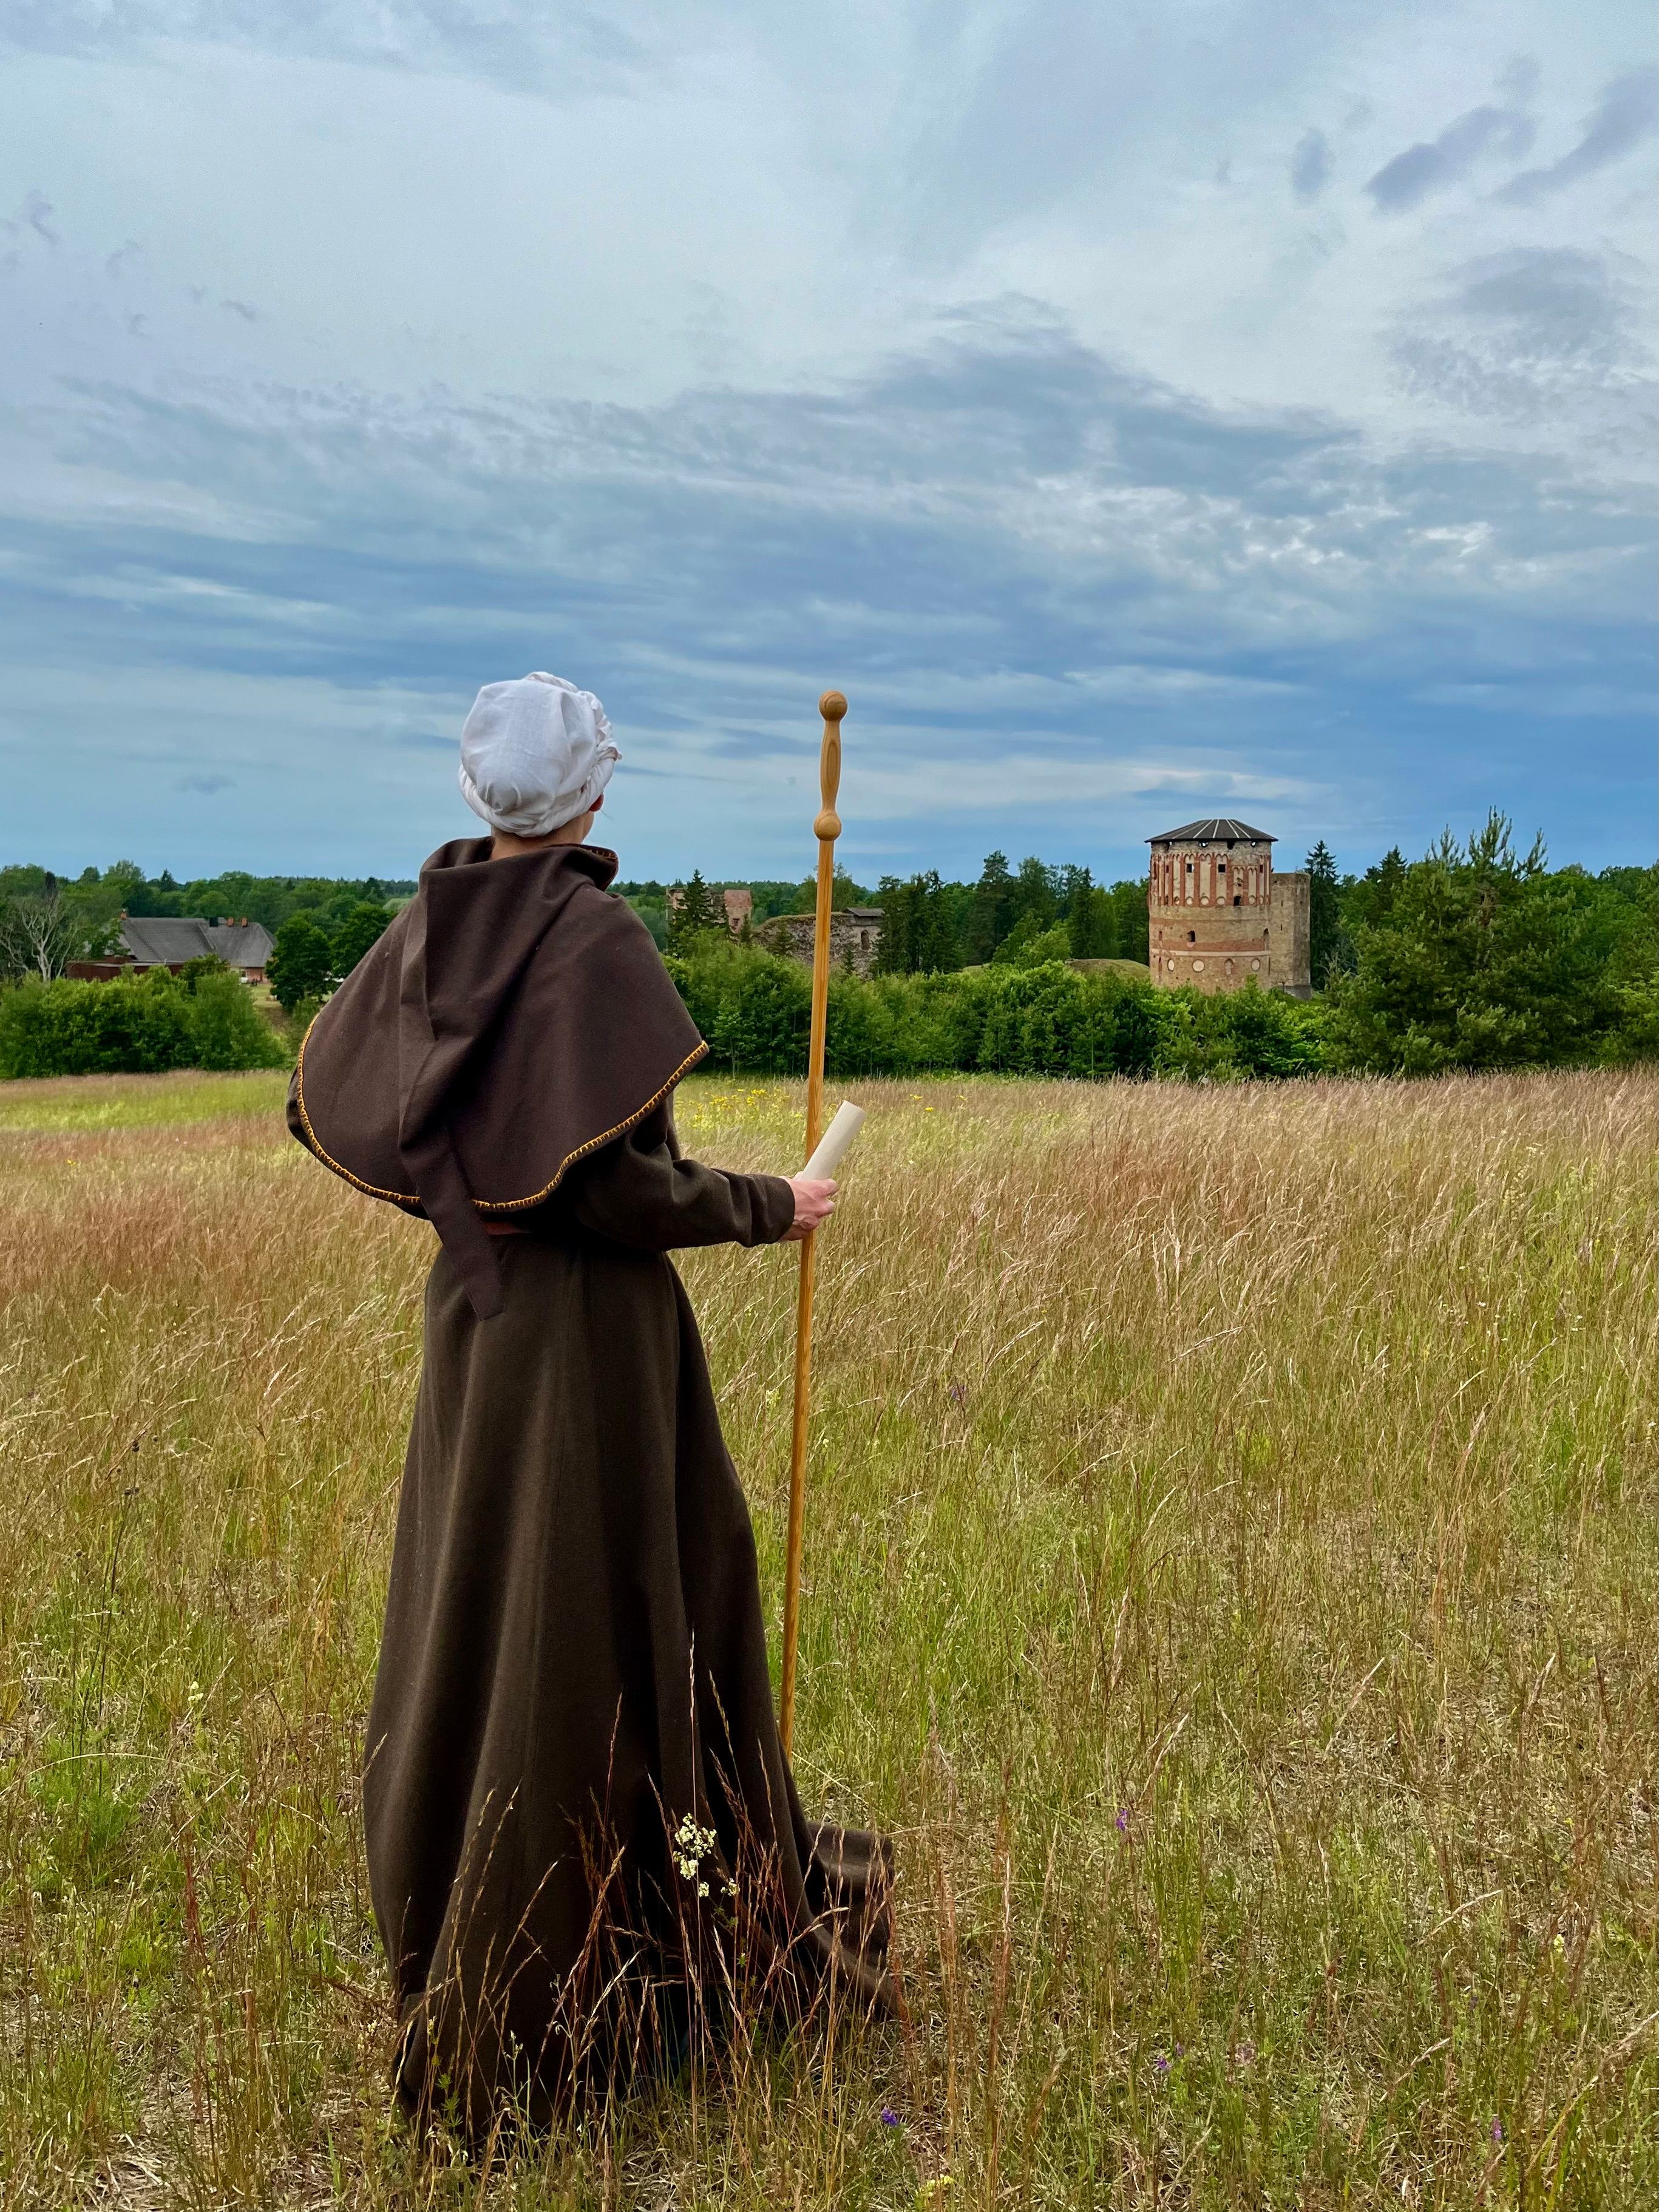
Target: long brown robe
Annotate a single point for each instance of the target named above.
(584, 1841)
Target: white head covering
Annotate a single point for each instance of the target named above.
(535, 754)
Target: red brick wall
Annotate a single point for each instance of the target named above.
(1208, 915)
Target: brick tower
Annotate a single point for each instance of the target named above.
(1218, 917)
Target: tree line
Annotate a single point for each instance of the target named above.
(930, 926)
(1476, 956)
(47, 920)
(1482, 956)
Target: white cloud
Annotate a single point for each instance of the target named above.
(1051, 372)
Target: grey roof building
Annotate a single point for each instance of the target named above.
(164, 941)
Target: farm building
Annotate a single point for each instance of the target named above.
(171, 941)
(1218, 914)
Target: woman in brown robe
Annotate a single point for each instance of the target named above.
(583, 1840)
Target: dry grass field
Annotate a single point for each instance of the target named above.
(1230, 1575)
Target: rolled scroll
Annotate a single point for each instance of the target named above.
(836, 1143)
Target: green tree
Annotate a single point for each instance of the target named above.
(267, 899)
(1029, 945)
(650, 902)
(1133, 929)
(991, 916)
(1036, 891)
(1089, 915)
(1324, 914)
(159, 895)
(918, 926)
(1368, 900)
(804, 897)
(1629, 899)
(364, 925)
(698, 913)
(1480, 958)
(772, 897)
(100, 900)
(893, 953)
(302, 964)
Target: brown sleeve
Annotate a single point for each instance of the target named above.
(640, 1191)
(296, 1127)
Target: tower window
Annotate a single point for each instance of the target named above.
(1237, 900)
(1191, 937)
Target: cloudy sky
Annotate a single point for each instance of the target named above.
(1139, 410)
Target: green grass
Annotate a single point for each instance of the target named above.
(1230, 1577)
(99, 1103)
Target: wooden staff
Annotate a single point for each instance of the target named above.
(826, 828)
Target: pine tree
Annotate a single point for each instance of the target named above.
(918, 926)
(698, 913)
(893, 953)
(992, 914)
(1481, 958)
(935, 947)
(1369, 901)
(1036, 892)
(1324, 914)
(1089, 916)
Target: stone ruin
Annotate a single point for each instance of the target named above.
(855, 937)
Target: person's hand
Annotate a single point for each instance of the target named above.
(815, 1202)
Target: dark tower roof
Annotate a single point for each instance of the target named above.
(1220, 828)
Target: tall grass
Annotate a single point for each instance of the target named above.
(1230, 1575)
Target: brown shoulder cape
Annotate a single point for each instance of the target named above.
(512, 1019)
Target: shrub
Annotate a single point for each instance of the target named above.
(226, 1029)
(753, 1008)
(1046, 1020)
(140, 1026)
(1239, 1034)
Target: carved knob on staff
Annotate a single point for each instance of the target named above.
(827, 827)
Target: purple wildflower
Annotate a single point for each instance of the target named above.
(1160, 2064)
(1123, 1820)
(890, 2118)
(1497, 2130)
